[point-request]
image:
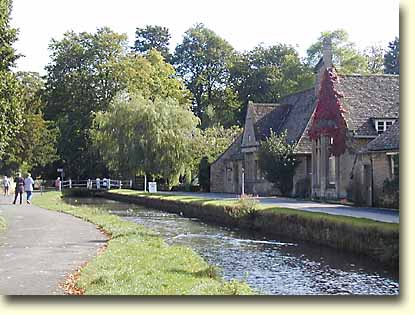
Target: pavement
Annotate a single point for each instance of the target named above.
(377, 214)
(40, 248)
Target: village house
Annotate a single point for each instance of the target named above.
(337, 127)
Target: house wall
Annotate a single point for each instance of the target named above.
(379, 165)
(302, 177)
(345, 166)
(381, 172)
(221, 168)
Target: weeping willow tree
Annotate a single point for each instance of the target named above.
(141, 136)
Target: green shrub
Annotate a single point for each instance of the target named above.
(245, 206)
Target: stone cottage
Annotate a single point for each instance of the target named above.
(375, 174)
(331, 124)
(352, 113)
(292, 113)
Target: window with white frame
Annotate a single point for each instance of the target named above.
(382, 125)
(394, 164)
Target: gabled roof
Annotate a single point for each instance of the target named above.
(292, 113)
(387, 141)
(367, 97)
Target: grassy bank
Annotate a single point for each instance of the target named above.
(137, 262)
(362, 236)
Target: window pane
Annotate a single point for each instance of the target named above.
(332, 170)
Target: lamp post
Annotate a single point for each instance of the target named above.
(243, 182)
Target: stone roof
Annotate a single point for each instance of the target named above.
(302, 105)
(273, 115)
(292, 113)
(387, 141)
(367, 97)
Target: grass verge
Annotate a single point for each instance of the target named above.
(137, 262)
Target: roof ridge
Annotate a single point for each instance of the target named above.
(369, 75)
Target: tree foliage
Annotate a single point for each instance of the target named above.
(35, 143)
(10, 112)
(346, 58)
(202, 60)
(143, 136)
(83, 76)
(86, 72)
(8, 36)
(375, 59)
(276, 158)
(265, 74)
(391, 61)
(153, 37)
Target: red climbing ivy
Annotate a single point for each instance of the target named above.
(328, 119)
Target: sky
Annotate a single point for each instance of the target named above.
(244, 24)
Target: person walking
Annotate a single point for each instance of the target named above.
(58, 184)
(6, 185)
(19, 180)
(28, 187)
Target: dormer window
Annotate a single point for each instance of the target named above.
(382, 125)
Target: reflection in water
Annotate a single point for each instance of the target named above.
(278, 267)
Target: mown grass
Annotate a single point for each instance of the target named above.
(337, 219)
(137, 262)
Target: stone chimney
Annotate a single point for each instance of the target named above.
(326, 62)
(327, 53)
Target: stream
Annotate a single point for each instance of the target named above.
(269, 266)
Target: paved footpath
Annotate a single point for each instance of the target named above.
(40, 248)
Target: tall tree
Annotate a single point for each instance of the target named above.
(346, 57)
(153, 37)
(35, 142)
(10, 112)
(203, 60)
(392, 57)
(375, 59)
(83, 76)
(264, 74)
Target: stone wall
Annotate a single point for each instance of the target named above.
(219, 179)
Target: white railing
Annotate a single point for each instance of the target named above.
(96, 184)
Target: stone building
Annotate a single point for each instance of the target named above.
(376, 164)
(292, 113)
(335, 125)
(351, 114)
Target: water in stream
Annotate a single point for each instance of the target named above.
(272, 267)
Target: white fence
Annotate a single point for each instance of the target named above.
(97, 184)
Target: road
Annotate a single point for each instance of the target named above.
(377, 214)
